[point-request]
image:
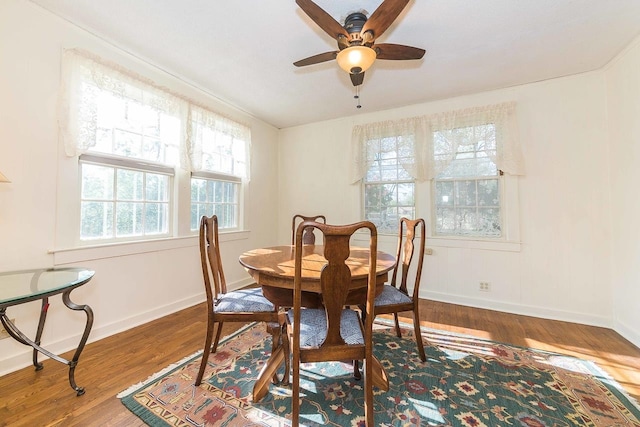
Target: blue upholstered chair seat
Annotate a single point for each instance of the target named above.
(313, 327)
(390, 296)
(243, 300)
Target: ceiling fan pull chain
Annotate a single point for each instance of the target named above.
(357, 96)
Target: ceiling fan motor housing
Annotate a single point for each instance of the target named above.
(354, 23)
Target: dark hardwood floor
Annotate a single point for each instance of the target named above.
(44, 398)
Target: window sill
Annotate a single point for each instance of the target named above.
(113, 250)
(462, 243)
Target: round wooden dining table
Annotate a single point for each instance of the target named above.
(273, 269)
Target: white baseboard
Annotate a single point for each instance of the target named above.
(524, 310)
(629, 333)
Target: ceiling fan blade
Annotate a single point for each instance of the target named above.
(398, 51)
(322, 18)
(383, 17)
(357, 79)
(316, 59)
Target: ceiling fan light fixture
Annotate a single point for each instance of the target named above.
(356, 59)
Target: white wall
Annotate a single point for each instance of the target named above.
(623, 92)
(127, 289)
(562, 269)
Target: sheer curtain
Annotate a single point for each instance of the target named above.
(217, 143)
(453, 130)
(423, 158)
(85, 75)
(368, 143)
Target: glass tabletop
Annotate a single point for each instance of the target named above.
(26, 285)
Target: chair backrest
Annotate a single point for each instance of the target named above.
(406, 249)
(335, 277)
(210, 260)
(309, 238)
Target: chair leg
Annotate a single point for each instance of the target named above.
(215, 343)
(418, 334)
(398, 332)
(295, 395)
(206, 352)
(356, 370)
(279, 339)
(287, 350)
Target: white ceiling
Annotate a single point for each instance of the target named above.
(242, 51)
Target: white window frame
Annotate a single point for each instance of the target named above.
(122, 163)
(455, 180)
(223, 178)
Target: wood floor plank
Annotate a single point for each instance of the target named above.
(110, 365)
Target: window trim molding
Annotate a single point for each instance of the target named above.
(125, 163)
(216, 176)
(93, 252)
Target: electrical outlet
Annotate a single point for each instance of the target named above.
(485, 286)
(3, 333)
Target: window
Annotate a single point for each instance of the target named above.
(467, 193)
(388, 189)
(137, 144)
(464, 162)
(221, 165)
(122, 203)
(215, 196)
(129, 201)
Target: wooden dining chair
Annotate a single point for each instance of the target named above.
(243, 305)
(309, 238)
(395, 296)
(333, 332)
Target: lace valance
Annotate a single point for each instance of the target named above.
(420, 156)
(85, 75)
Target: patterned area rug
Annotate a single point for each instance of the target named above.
(466, 381)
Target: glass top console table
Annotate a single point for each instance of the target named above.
(19, 287)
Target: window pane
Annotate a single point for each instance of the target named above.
(467, 196)
(444, 193)
(140, 203)
(152, 149)
(388, 188)
(488, 192)
(127, 144)
(215, 197)
(130, 185)
(129, 219)
(199, 190)
(96, 220)
(489, 221)
(126, 127)
(445, 220)
(406, 212)
(97, 182)
(195, 217)
(405, 194)
(466, 220)
(466, 193)
(156, 216)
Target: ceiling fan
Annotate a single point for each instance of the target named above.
(356, 39)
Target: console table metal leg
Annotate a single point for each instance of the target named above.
(87, 329)
(43, 317)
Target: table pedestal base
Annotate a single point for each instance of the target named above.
(19, 336)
